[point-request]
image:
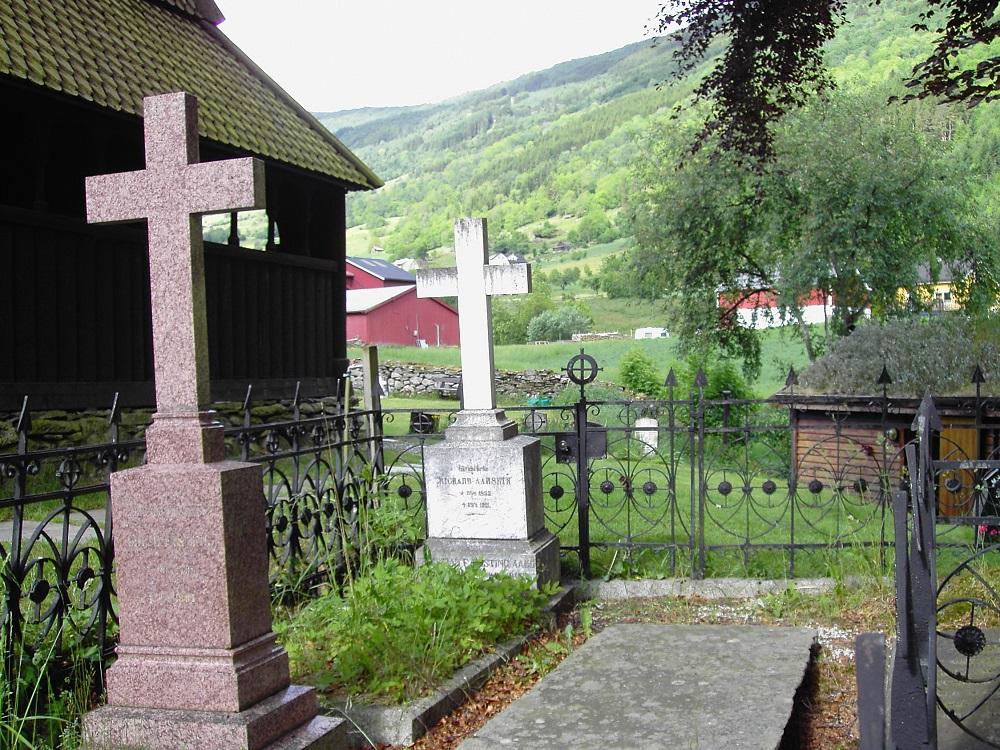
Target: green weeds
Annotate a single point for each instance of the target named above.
(398, 630)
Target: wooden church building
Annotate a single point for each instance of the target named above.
(74, 298)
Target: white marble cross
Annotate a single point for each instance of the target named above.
(170, 194)
(474, 281)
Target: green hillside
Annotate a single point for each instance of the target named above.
(549, 157)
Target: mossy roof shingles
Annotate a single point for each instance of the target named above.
(115, 52)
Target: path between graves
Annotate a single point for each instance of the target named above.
(639, 686)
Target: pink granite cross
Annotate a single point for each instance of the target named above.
(171, 193)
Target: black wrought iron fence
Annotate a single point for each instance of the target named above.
(793, 485)
(56, 517)
(686, 485)
(944, 674)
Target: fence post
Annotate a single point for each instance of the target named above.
(793, 479)
(12, 569)
(107, 550)
(373, 405)
(885, 481)
(583, 483)
(700, 381)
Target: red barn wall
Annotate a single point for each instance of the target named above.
(395, 322)
(364, 280)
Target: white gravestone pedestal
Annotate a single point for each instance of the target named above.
(484, 484)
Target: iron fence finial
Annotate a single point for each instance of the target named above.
(793, 377)
(671, 381)
(115, 415)
(24, 419)
(978, 377)
(884, 378)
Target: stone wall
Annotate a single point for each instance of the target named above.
(409, 379)
(59, 428)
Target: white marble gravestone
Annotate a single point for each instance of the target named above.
(484, 484)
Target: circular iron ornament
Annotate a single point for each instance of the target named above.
(404, 491)
(649, 488)
(953, 484)
(281, 524)
(329, 509)
(607, 486)
(725, 488)
(535, 421)
(39, 590)
(815, 486)
(861, 486)
(769, 487)
(969, 640)
(582, 369)
(556, 492)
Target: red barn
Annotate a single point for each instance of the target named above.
(383, 308)
(372, 273)
(394, 314)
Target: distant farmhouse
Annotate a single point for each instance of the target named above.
(505, 258)
(760, 310)
(651, 333)
(74, 298)
(383, 308)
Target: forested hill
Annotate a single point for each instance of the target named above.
(546, 157)
(547, 143)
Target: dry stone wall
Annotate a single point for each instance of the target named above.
(411, 380)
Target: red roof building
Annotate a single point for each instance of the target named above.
(383, 308)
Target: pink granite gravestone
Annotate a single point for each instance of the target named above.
(198, 665)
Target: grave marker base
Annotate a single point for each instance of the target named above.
(537, 557)
(285, 721)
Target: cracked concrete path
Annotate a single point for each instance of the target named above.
(643, 686)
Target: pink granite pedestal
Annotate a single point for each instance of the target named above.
(198, 665)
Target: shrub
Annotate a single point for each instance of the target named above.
(639, 374)
(920, 353)
(557, 325)
(399, 631)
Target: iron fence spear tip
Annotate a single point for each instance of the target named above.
(884, 378)
(115, 415)
(671, 380)
(701, 380)
(793, 377)
(24, 418)
(977, 375)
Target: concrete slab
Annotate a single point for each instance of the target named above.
(641, 686)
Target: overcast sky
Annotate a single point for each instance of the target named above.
(332, 54)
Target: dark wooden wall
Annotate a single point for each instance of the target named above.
(74, 298)
(75, 318)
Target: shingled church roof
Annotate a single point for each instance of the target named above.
(115, 52)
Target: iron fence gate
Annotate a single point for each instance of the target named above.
(946, 663)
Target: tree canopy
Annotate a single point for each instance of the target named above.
(856, 198)
(773, 59)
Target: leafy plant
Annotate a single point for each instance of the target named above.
(399, 630)
(638, 374)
